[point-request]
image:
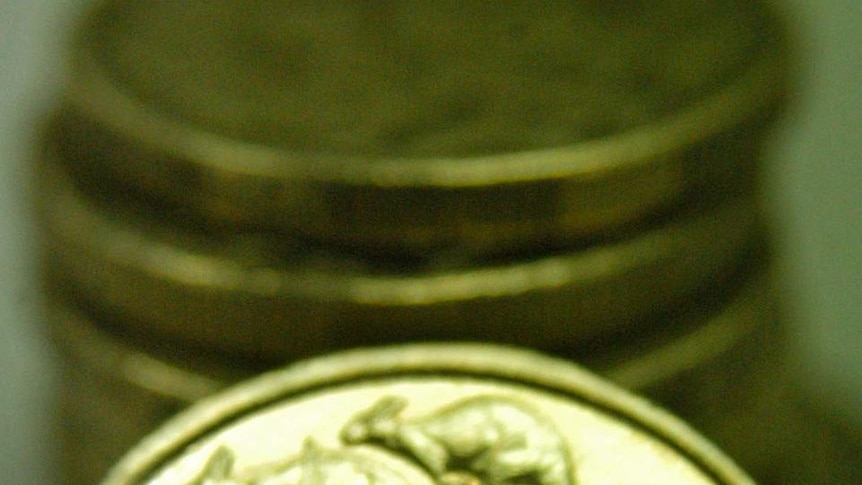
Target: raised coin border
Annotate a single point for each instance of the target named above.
(352, 203)
(477, 361)
(263, 312)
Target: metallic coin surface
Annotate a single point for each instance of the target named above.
(100, 417)
(702, 362)
(455, 414)
(115, 389)
(418, 126)
(721, 369)
(277, 300)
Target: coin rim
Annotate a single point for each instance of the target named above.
(726, 107)
(599, 268)
(736, 317)
(525, 368)
(326, 196)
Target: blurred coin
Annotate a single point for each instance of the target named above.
(277, 300)
(720, 370)
(427, 414)
(114, 390)
(825, 450)
(838, 438)
(100, 418)
(718, 362)
(417, 126)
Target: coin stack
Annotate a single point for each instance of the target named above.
(229, 186)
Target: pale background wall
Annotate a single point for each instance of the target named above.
(815, 190)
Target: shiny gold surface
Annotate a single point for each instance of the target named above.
(722, 371)
(230, 186)
(460, 126)
(277, 300)
(427, 414)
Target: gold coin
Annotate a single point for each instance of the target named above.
(413, 126)
(114, 390)
(101, 416)
(273, 300)
(720, 364)
(700, 361)
(720, 371)
(427, 414)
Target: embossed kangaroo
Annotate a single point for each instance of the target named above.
(313, 467)
(495, 440)
(331, 467)
(217, 470)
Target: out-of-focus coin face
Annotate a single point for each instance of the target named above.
(423, 79)
(415, 127)
(426, 414)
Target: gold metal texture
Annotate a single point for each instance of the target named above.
(114, 390)
(273, 299)
(718, 368)
(102, 416)
(445, 414)
(721, 364)
(417, 126)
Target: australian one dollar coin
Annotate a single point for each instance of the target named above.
(455, 414)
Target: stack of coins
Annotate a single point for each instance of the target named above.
(229, 186)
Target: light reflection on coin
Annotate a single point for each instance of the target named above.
(286, 300)
(720, 370)
(527, 126)
(453, 413)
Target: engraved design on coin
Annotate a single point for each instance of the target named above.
(217, 470)
(315, 466)
(479, 440)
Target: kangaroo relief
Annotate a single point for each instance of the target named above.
(315, 466)
(479, 440)
(217, 470)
